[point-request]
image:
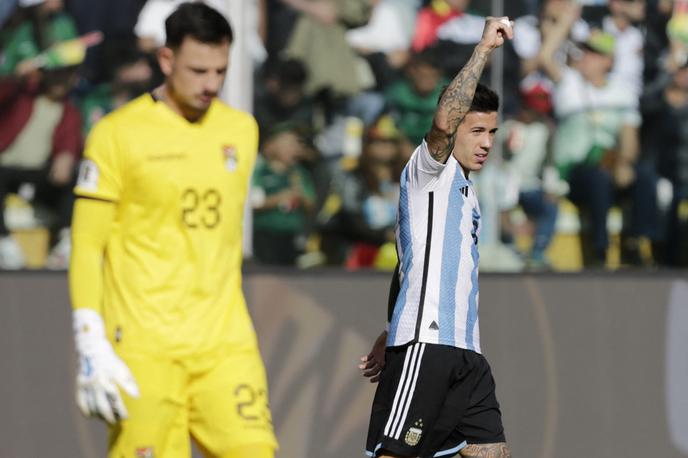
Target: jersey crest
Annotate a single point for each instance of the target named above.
(414, 433)
(230, 156)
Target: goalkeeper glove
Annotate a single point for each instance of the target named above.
(100, 370)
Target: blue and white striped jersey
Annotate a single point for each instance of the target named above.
(438, 226)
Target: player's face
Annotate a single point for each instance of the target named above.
(474, 139)
(195, 73)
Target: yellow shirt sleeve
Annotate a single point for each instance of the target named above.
(91, 226)
(101, 171)
(100, 179)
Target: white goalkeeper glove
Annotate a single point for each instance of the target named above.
(101, 371)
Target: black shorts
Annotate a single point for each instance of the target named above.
(432, 400)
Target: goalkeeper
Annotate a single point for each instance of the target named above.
(166, 347)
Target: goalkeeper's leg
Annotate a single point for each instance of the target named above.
(158, 419)
(229, 415)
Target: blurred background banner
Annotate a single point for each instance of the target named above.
(586, 365)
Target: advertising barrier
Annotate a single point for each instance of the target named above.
(585, 365)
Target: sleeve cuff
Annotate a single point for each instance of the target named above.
(426, 162)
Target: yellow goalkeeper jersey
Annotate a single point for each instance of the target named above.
(172, 268)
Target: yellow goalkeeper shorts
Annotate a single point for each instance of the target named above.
(221, 400)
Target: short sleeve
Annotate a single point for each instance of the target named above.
(422, 168)
(100, 173)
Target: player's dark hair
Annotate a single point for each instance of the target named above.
(485, 100)
(197, 21)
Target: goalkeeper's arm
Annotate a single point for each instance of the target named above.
(101, 371)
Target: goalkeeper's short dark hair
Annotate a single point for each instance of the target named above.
(198, 21)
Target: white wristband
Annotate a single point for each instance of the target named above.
(89, 327)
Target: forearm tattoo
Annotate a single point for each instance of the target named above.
(498, 450)
(455, 103)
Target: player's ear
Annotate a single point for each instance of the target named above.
(166, 60)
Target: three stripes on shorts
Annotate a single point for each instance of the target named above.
(405, 390)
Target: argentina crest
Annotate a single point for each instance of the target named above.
(414, 433)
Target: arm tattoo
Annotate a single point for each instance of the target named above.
(498, 450)
(453, 106)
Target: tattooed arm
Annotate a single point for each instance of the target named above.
(496, 450)
(457, 97)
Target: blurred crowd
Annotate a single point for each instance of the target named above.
(590, 170)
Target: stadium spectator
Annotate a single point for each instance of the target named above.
(280, 97)
(130, 75)
(319, 41)
(527, 144)
(454, 38)
(629, 40)
(45, 23)
(596, 146)
(657, 15)
(529, 32)
(276, 23)
(384, 44)
(464, 29)
(367, 197)
(115, 20)
(665, 140)
(431, 17)
(40, 143)
(282, 197)
(413, 100)
(389, 29)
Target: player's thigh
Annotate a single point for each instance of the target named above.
(157, 424)
(482, 421)
(495, 450)
(229, 405)
(410, 414)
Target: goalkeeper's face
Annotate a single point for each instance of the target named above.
(195, 73)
